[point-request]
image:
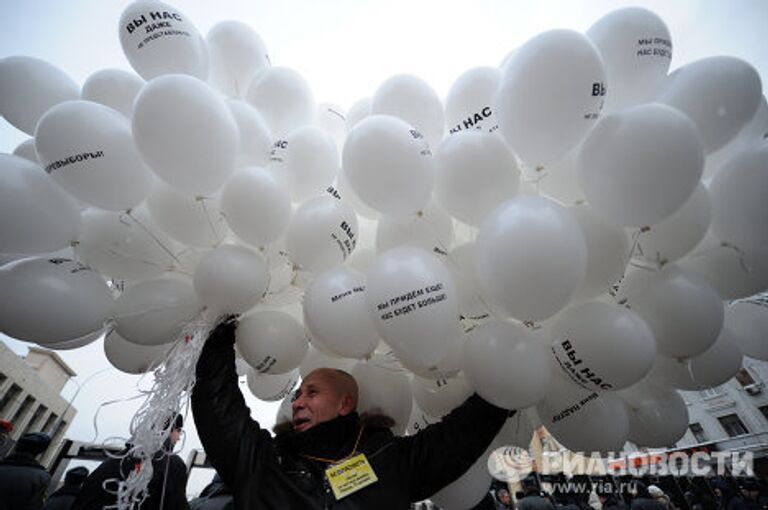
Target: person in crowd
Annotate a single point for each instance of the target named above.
(166, 490)
(658, 494)
(609, 497)
(328, 455)
(750, 498)
(532, 498)
(65, 496)
(503, 500)
(23, 480)
(641, 498)
(6, 443)
(215, 496)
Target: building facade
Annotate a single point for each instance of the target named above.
(30, 397)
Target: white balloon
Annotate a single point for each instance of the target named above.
(132, 358)
(383, 390)
(330, 118)
(719, 363)
(255, 136)
(506, 365)
(469, 489)
(751, 135)
(358, 111)
(231, 279)
(124, 246)
(153, 312)
(684, 312)
(559, 180)
(159, 39)
(419, 420)
(185, 133)
(476, 171)
(449, 366)
(389, 165)
(636, 49)
(658, 416)
(321, 234)
(602, 346)
(608, 248)
(518, 429)
(550, 95)
(679, 233)
(739, 208)
(271, 388)
(114, 88)
(674, 373)
(256, 206)
(196, 221)
(342, 190)
(336, 313)
(76, 343)
(272, 342)
(732, 271)
(283, 98)
(438, 397)
(727, 95)
(411, 99)
(237, 53)
(36, 216)
(638, 166)
(413, 298)
(26, 150)
(472, 303)
(88, 150)
(748, 321)
(530, 256)
(584, 420)
(430, 230)
(317, 359)
(307, 160)
(51, 300)
(29, 87)
(468, 105)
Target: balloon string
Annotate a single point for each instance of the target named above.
(112, 251)
(209, 220)
(153, 236)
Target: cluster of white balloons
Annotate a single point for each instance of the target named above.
(562, 233)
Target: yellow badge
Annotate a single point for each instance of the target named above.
(350, 476)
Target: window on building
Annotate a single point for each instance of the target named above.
(9, 398)
(3, 378)
(764, 410)
(49, 422)
(698, 432)
(23, 408)
(732, 425)
(744, 377)
(32, 424)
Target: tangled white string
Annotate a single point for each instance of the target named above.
(152, 424)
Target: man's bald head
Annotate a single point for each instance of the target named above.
(325, 394)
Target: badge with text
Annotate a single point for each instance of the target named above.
(350, 476)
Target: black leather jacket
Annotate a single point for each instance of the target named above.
(272, 473)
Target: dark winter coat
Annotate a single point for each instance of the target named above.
(611, 503)
(94, 497)
(23, 483)
(272, 473)
(534, 501)
(63, 498)
(215, 496)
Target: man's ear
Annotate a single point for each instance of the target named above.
(347, 405)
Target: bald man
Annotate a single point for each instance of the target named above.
(328, 456)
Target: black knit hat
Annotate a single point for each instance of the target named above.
(76, 476)
(33, 443)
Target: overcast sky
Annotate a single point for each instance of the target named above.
(344, 48)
